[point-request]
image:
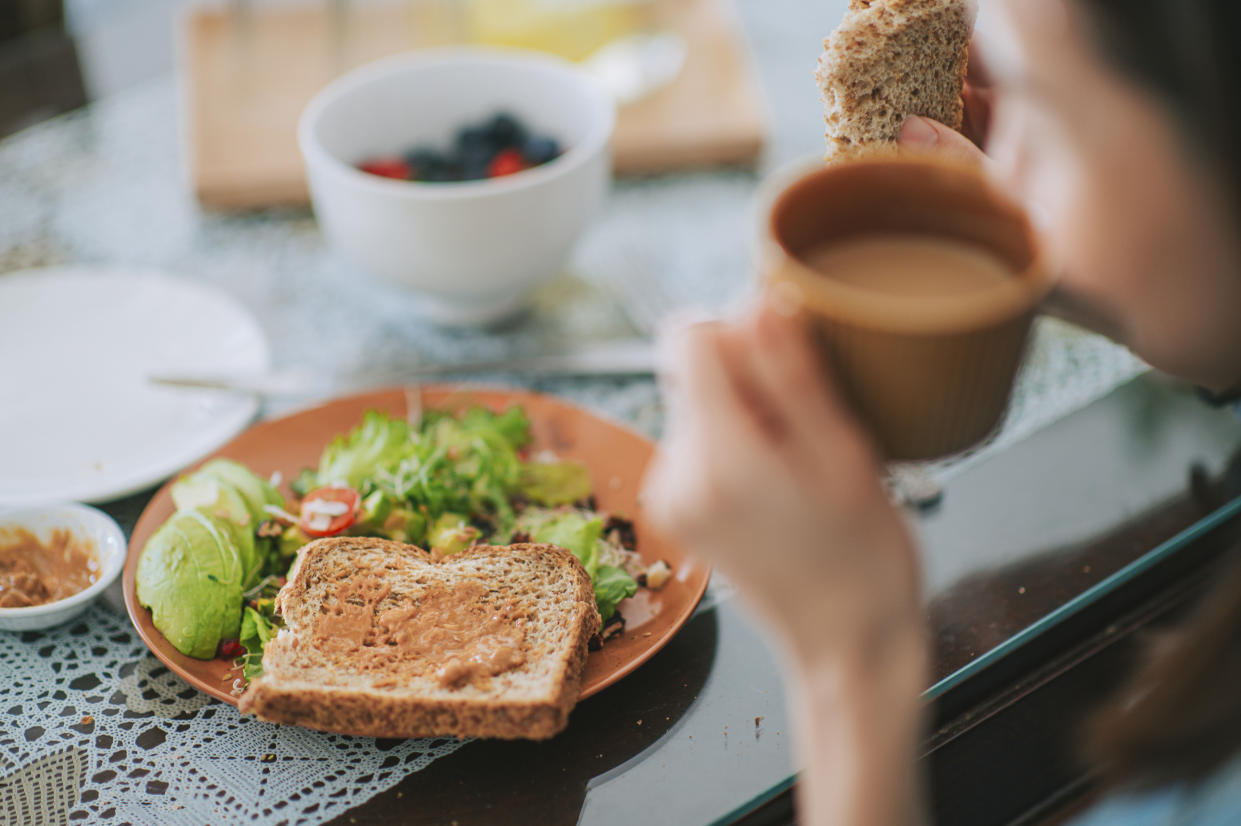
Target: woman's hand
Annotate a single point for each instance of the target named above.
(763, 471)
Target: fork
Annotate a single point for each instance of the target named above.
(640, 294)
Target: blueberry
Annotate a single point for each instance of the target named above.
(472, 159)
(474, 166)
(425, 163)
(539, 149)
(444, 172)
(473, 140)
(422, 156)
(506, 131)
(481, 153)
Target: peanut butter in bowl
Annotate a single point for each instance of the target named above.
(36, 572)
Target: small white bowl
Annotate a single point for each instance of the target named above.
(81, 521)
(473, 249)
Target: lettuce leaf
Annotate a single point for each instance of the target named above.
(612, 585)
(570, 530)
(467, 465)
(581, 533)
(376, 445)
(555, 483)
(512, 425)
(256, 630)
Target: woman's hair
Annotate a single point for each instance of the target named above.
(1180, 717)
(1185, 53)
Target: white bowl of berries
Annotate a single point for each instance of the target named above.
(466, 174)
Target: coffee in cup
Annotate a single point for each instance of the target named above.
(920, 282)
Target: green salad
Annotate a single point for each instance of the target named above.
(209, 575)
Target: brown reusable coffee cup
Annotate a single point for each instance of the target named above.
(929, 379)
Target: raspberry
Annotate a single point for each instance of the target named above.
(506, 163)
(388, 168)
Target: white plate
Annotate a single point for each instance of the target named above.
(78, 419)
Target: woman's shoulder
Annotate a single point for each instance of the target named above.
(1215, 801)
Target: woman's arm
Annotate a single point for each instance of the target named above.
(860, 715)
(766, 473)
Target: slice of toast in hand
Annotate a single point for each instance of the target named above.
(890, 59)
(381, 640)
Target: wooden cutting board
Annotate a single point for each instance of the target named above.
(247, 78)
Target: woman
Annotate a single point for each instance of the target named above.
(1118, 121)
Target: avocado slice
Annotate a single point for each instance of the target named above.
(189, 576)
(223, 487)
(204, 492)
(225, 534)
(450, 533)
(256, 490)
(168, 570)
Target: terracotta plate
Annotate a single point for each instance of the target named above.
(616, 457)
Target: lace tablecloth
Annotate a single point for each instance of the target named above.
(94, 729)
(88, 707)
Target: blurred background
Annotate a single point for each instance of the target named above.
(57, 54)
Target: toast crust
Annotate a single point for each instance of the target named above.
(284, 695)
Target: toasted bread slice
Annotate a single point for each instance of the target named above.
(890, 59)
(381, 640)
